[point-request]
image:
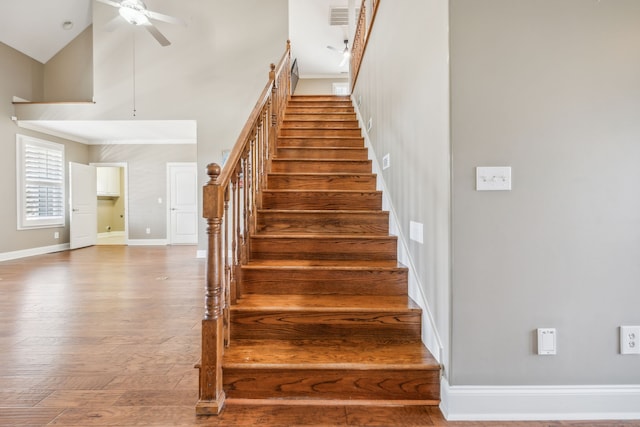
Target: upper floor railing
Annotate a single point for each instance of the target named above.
(231, 199)
(366, 18)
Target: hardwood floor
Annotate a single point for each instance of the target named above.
(108, 336)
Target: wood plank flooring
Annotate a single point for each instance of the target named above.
(108, 336)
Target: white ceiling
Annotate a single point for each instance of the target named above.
(310, 34)
(96, 132)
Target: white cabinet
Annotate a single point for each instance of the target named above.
(108, 181)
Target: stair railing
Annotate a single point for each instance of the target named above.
(231, 198)
(361, 37)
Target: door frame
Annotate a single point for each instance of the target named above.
(125, 167)
(168, 196)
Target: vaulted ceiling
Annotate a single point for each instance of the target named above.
(41, 28)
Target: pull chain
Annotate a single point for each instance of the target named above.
(134, 74)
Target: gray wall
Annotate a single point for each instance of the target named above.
(147, 172)
(22, 76)
(551, 88)
(405, 92)
(68, 76)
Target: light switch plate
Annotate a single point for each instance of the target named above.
(416, 231)
(546, 341)
(493, 178)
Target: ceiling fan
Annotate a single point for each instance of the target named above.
(346, 54)
(135, 12)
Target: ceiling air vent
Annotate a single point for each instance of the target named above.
(340, 15)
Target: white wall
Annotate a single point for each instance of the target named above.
(404, 90)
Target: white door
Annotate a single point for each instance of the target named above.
(183, 203)
(84, 205)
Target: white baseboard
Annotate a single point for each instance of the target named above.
(147, 242)
(498, 403)
(8, 256)
(111, 234)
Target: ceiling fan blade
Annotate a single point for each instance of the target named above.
(344, 61)
(113, 23)
(334, 49)
(109, 2)
(165, 18)
(157, 34)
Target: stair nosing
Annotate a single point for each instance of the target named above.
(332, 366)
(276, 190)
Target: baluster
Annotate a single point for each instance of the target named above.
(252, 188)
(235, 235)
(272, 134)
(211, 392)
(227, 268)
(245, 207)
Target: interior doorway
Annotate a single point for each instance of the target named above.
(112, 200)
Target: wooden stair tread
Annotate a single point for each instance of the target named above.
(277, 190)
(329, 354)
(325, 211)
(326, 303)
(324, 264)
(312, 160)
(323, 174)
(318, 236)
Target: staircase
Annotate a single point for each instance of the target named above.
(322, 315)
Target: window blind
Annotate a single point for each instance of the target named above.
(42, 170)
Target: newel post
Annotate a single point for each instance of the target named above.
(212, 395)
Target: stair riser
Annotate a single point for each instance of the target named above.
(292, 325)
(332, 98)
(319, 200)
(320, 116)
(301, 109)
(311, 142)
(324, 248)
(330, 223)
(315, 132)
(321, 153)
(330, 384)
(319, 124)
(321, 281)
(321, 182)
(319, 103)
(321, 166)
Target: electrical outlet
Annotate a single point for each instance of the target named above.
(148, 230)
(629, 339)
(56, 235)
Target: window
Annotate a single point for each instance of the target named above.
(40, 170)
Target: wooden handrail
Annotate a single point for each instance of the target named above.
(231, 199)
(361, 38)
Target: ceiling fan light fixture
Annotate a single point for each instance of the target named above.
(133, 15)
